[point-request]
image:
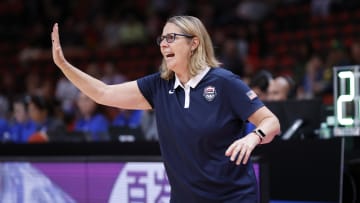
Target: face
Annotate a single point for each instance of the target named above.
(19, 112)
(278, 90)
(177, 53)
(36, 114)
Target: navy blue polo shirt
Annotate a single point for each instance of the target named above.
(195, 131)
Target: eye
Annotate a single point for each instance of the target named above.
(170, 37)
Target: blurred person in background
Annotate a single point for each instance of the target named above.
(46, 126)
(4, 124)
(281, 89)
(111, 75)
(231, 57)
(130, 118)
(312, 83)
(148, 125)
(20, 121)
(90, 119)
(260, 83)
(65, 93)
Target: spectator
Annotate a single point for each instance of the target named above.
(111, 76)
(20, 121)
(148, 125)
(260, 83)
(281, 89)
(45, 125)
(90, 119)
(312, 84)
(130, 118)
(65, 94)
(4, 125)
(231, 57)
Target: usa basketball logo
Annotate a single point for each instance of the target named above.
(209, 93)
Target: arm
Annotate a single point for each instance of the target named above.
(126, 95)
(263, 119)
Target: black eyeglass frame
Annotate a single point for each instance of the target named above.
(169, 39)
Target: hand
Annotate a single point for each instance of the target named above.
(241, 149)
(57, 52)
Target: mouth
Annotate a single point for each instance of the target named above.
(169, 55)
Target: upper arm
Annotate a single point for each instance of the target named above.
(125, 95)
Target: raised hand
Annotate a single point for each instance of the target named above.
(57, 52)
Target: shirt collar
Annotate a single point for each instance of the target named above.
(194, 81)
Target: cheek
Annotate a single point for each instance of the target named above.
(183, 55)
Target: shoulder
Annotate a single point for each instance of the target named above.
(153, 83)
(225, 76)
(230, 83)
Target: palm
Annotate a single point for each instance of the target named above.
(57, 53)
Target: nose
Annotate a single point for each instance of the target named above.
(163, 43)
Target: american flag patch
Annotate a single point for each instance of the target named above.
(251, 94)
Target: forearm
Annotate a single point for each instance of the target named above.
(87, 84)
(270, 126)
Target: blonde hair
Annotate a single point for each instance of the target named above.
(203, 56)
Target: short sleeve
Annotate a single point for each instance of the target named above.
(242, 99)
(147, 86)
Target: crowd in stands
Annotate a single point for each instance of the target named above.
(296, 41)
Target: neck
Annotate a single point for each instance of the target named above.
(183, 77)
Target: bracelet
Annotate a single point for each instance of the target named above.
(260, 133)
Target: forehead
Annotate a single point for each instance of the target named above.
(170, 28)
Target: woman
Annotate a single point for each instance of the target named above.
(199, 110)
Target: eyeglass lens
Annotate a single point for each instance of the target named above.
(169, 38)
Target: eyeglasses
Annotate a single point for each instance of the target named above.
(171, 37)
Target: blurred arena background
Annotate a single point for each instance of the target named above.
(115, 41)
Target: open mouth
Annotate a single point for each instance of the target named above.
(169, 55)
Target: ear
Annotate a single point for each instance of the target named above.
(194, 43)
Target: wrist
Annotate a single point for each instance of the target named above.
(260, 134)
(253, 133)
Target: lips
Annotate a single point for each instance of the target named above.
(169, 55)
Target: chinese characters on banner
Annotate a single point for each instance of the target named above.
(141, 182)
